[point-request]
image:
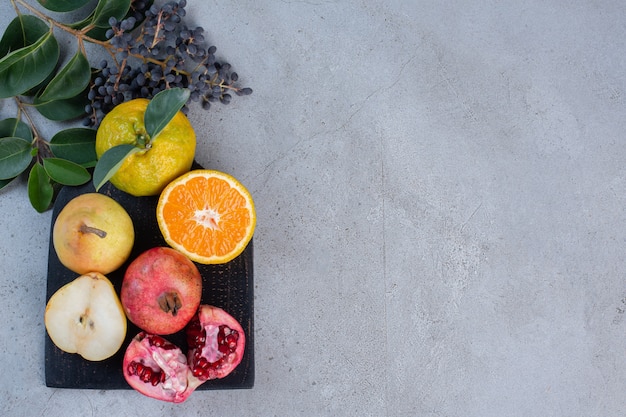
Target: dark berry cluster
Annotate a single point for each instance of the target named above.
(153, 50)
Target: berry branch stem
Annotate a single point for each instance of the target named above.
(43, 149)
(17, 11)
(79, 34)
(168, 52)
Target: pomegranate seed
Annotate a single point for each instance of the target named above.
(196, 336)
(145, 373)
(227, 339)
(159, 342)
(139, 370)
(156, 378)
(218, 364)
(156, 341)
(132, 368)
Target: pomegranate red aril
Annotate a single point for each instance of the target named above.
(216, 343)
(230, 342)
(145, 373)
(158, 341)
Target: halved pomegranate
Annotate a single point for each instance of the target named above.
(157, 368)
(216, 343)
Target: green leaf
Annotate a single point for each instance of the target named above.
(23, 30)
(162, 108)
(40, 191)
(26, 67)
(38, 88)
(107, 9)
(61, 110)
(110, 162)
(14, 157)
(4, 183)
(63, 5)
(76, 145)
(70, 81)
(15, 128)
(65, 172)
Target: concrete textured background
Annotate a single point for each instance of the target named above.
(441, 199)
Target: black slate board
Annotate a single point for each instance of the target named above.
(228, 286)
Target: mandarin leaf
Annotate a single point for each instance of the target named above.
(110, 162)
(162, 109)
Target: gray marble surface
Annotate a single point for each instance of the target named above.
(441, 199)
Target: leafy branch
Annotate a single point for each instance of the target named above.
(150, 50)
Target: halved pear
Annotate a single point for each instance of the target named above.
(86, 317)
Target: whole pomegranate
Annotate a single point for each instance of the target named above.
(157, 368)
(161, 291)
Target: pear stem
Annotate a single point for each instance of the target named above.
(88, 229)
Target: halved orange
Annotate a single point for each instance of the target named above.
(207, 215)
